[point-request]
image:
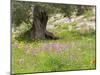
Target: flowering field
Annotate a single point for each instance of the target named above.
(72, 51)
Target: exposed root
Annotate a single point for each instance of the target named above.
(49, 35)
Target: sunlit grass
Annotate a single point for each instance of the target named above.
(33, 56)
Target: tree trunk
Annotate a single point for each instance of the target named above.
(38, 30)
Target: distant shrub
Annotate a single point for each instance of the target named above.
(88, 14)
(22, 29)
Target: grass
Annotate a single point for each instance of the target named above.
(30, 57)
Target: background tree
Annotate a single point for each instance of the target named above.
(37, 14)
(82, 9)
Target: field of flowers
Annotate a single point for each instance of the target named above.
(72, 51)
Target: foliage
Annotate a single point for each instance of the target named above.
(82, 9)
(22, 11)
(68, 10)
(88, 14)
(20, 30)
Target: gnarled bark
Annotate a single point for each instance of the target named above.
(38, 30)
